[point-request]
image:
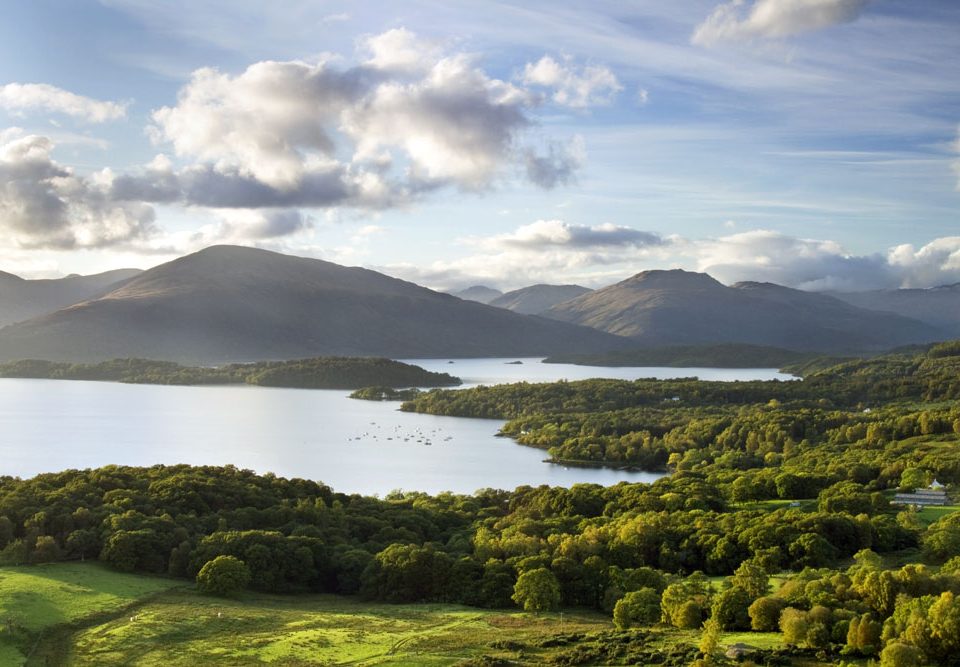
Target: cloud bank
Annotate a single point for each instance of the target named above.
(556, 251)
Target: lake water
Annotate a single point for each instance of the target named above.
(353, 446)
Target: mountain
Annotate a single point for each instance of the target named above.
(684, 308)
(229, 303)
(535, 299)
(478, 293)
(938, 306)
(22, 299)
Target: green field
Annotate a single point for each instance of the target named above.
(35, 599)
(930, 514)
(184, 628)
(85, 614)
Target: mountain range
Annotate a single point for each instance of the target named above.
(230, 303)
(683, 308)
(939, 306)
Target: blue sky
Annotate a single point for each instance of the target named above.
(808, 142)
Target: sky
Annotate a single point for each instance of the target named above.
(812, 143)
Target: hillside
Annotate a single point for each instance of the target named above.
(937, 306)
(228, 303)
(684, 308)
(535, 299)
(22, 299)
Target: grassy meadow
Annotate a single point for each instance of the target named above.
(86, 614)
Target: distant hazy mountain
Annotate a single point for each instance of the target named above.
(232, 303)
(478, 293)
(939, 306)
(22, 299)
(535, 299)
(683, 308)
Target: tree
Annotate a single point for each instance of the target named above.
(684, 603)
(730, 609)
(710, 640)
(224, 575)
(765, 614)
(863, 635)
(945, 624)
(640, 607)
(898, 654)
(752, 578)
(914, 478)
(795, 626)
(537, 590)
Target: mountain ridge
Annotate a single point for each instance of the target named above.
(677, 307)
(232, 303)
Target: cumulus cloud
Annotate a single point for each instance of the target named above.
(454, 126)
(573, 86)
(22, 97)
(408, 120)
(936, 263)
(768, 256)
(399, 50)
(46, 205)
(817, 265)
(771, 19)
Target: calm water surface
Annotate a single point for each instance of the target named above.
(354, 446)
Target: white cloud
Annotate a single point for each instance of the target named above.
(554, 251)
(46, 205)
(770, 19)
(407, 121)
(455, 126)
(23, 97)
(543, 234)
(577, 87)
(400, 50)
(244, 226)
(936, 263)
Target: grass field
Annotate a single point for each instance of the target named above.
(184, 628)
(84, 614)
(34, 599)
(930, 514)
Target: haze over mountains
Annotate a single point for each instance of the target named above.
(22, 299)
(229, 303)
(939, 306)
(537, 299)
(478, 293)
(682, 308)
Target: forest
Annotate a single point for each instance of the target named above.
(315, 373)
(777, 517)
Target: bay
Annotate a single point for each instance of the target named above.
(353, 446)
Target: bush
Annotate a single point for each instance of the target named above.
(224, 575)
